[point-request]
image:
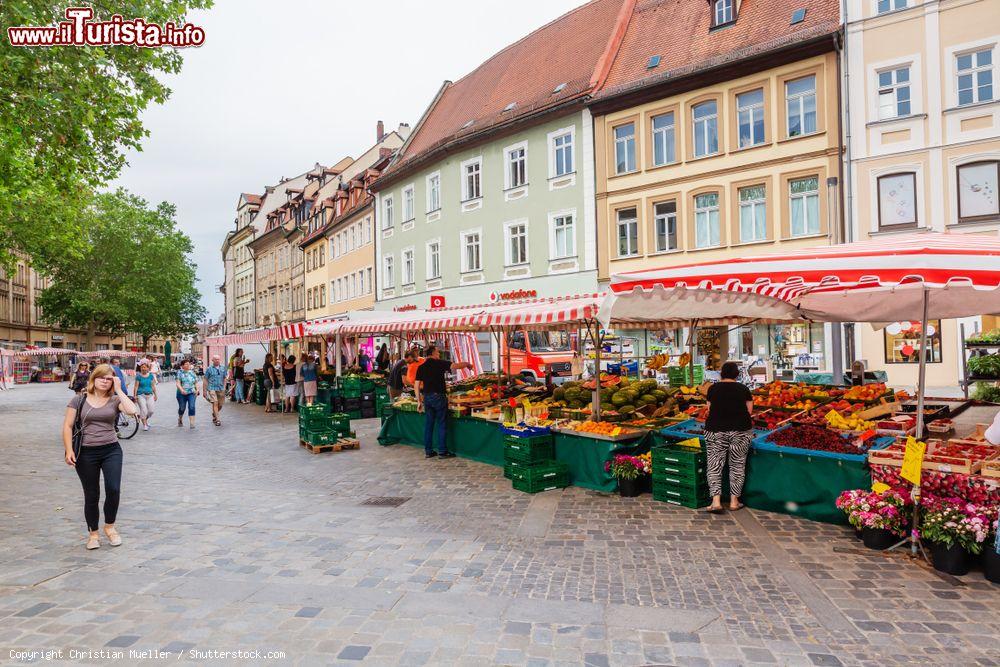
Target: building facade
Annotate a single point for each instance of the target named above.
(924, 123)
(241, 292)
(726, 147)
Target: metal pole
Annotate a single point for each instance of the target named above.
(837, 353)
(598, 343)
(338, 342)
(693, 327)
(921, 390)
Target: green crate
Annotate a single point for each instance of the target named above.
(665, 472)
(314, 409)
(540, 477)
(680, 375)
(354, 414)
(527, 452)
(367, 385)
(528, 439)
(688, 496)
(678, 457)
(326, 437)
(340, 420)
(674, 485)
(510, 466)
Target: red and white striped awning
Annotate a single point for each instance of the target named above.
(37, 352)
(876, 280)
(266, 335)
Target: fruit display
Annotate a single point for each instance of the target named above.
(814, 438)
(657, 361)
(768, 420)
(779, 394)
(901, 424)
(973, 488)
(941, 426)
(837, 421)
(602, 429)
(868, 393)
(607, 380)
(958, 456)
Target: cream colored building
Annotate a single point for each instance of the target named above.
(924, 152)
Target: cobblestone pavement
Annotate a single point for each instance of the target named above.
(236, 538)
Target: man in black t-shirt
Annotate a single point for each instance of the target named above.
(432, 398)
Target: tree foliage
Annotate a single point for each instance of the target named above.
(67, 116)
(133, 272)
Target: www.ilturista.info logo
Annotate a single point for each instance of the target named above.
(79, 30)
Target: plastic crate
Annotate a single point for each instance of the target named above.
(697, 488)
(540, 477)
(692, 497)
(668, 472)
(314, 409)
(354, 414)
(678, 457)
(367, 385)
(511, 466)
(321, 437)
(680, 375)
(528, 450)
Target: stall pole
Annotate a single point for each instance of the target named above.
(338, 364)
(594, 329)
(322, 354)
(837, 353)
(691, 333)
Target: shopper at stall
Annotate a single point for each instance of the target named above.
(116, 366)
(78, 381)
(309, 372)
(144, 393)
(270, 383)
(187, 392)
(728, 432)
(382, 359)
(97, 450)
(289, 372)
(432, 398)
(364, 361)
(992, 434)
(411, 368)
(394, 381)
(215, 388)
(236, 366)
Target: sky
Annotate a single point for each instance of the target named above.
(282, 84)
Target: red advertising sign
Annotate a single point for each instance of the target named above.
(437, 301)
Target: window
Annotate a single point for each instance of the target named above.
(334, 291)
(309, 300)
(471, 183)
(387, 211)
(408, 273)
(804, 206)
(707, 232)
(706, 128)
(903, 340)
(471, 252)
(975, 77)
(897, 200)
(309, 259)
(665, 226)
(753, 214)
(433, 192)
(750, 117)
(517, 243)
(562, 154)
(723, 12)
(361, 283)
(321, 256)
(433, 260)
(663, 139)
(517, 159)
(800, 98)
(408, 203)
(388, 278)
(978, 191)
(368, 230)
(894, 93)
(322, 295)
(625, 148)
(628, 233)
(890, 5)
(563, 237)
(371, 284)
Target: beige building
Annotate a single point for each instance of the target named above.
(736, 154)
(924, 124)
(238, 287)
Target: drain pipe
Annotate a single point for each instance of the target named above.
(844, 120)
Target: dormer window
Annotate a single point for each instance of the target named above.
(722, 12)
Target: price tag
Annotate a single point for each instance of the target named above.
(615, 431)
(913, 460)
(867, 435)
(880, 487)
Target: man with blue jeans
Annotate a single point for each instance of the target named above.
(432, 398)
(116, 366)
(215, 387)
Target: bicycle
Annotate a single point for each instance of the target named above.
(126, 427)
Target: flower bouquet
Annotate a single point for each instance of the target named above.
(628, 470)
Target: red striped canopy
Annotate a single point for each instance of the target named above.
(37, 352)
(266, 335)
(876, 280)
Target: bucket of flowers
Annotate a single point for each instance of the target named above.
(955, 530)
(991, 554)
(631, 472)
(882, 517)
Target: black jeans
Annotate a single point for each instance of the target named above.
(90, 463)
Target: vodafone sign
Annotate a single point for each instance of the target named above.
(437, 301)
(513, 295)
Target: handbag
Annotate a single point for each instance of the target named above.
(78, 427)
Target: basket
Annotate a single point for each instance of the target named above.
(528, 452)
(536, 478)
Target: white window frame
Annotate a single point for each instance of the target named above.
(409, 195)
(660, 134)
(433, 183)
(463, 236)
(805, 208)
(430, 273)
(509, 259)
(552, 137)
(626, 143)
(408, 273)
(755, 206)
(974, 73)
(553, 245)
(800, 100)
(619, 223)
(889, 6)
(705, 122)
(371, 283)
(722, 12)
(665, 217)
(388, 272)
(752, 109)
(704, 213)
(467, 194)
(892, 90)
(387, 213)
(508, 165)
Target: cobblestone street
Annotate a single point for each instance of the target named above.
(236, 538)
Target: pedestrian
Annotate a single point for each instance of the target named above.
(144, 393)
(289, 372)
(270, 383)
(237, 363)
(91, 446)
(187, 392)
(382, 359)
(432, 398)
(116, 365)
(411, 368)
(364, 361)
(154, 369)
(728, 432)
(215, 387)
(394, 381)
(309, 371)
(78, 381)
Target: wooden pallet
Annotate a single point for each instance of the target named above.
(339, 445)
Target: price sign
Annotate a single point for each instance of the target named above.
(913, 460)
(880, 487)
(615, 431)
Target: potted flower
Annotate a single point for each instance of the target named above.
(630, 472)
(991, 555)
(882, 517)
(848, 502)
(954, 529)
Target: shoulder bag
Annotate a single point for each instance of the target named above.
(78, 426)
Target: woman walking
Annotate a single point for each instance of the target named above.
(187, 392)
(78, 381)
(236, 363)
(728, 432)
(99, 451)
(270, 383)
(310, 378)
(289, 375)
(382, 359)
(145, 393)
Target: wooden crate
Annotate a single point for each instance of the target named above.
(893, 456)
(991, 469)
(340, 445)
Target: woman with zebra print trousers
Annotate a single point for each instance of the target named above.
(728, 431)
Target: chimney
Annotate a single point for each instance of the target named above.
(379, 132)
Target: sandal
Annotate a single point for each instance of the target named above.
(737, 508)
(716, 510)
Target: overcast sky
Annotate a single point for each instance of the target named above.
(281, 85)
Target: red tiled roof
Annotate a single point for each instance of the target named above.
(679, 31)
(568, 50)
(251, 199)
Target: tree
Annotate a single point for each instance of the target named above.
(133, 273)
(67, 116)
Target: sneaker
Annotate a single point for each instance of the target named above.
(447, 455)
(145, 427)
(430, 455)
(192, 427)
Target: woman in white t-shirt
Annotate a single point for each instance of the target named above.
(993, 432)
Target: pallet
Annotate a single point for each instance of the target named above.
(339, 445)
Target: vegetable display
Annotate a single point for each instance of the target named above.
(813, 437)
